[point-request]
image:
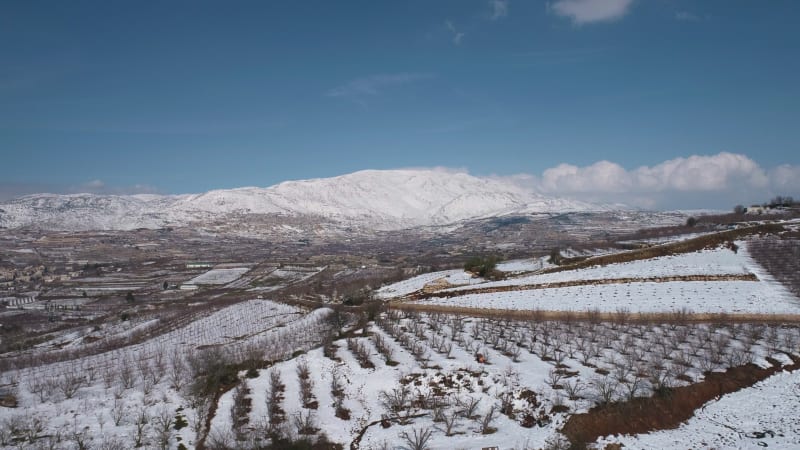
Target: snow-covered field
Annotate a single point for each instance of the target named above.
(218, 276)
(524, 265)
(534, 376)
(763, 416)
(720, 261)
(405, 287)
(653, 293)
(434, 359)
(733, 297)
(103, 398)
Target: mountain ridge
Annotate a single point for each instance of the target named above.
(376, 199)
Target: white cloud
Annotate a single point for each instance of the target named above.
(588, 11)
(785, 179)
(499, 9)
(373, 85)
(699, 181)
(693, 174)
(457, 35)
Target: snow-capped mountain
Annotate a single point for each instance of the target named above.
(377, 199)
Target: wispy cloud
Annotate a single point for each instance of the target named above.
(499, 9)
(457, 36)
(375, 84)
(589, 11)
(686, 16)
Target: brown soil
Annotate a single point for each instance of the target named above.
(664, 411)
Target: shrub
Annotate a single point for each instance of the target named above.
(483, 266)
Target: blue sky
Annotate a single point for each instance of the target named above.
(187, 96)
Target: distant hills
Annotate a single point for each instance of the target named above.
(370, 199)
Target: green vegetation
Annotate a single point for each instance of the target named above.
(483, 266)
(555, 257)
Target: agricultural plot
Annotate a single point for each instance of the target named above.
(218, 276)
(716, 281)
(720, 261)
(524, 265)
(417, 283)
(728, 297)
(284, 276)
(780, 258)
(762, 416)
(450, 381)
(148, 393)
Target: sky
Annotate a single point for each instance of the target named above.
(658, 103)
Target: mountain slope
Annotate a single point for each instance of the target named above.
(391, 199)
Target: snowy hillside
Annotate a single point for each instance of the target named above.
(386, 200)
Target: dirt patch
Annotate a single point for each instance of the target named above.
(665, 411)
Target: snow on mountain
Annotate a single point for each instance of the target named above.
(379, 199)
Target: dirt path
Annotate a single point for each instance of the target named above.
(667, 411)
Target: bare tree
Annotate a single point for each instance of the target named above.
(40, 386)
(10, 426)
(487, 419)
(306, 384)
(108, 375)
(118, 411)
(633, 385)
(605, 389)
(305, 423)
(70, 382)
(274, 398)
(112, 443)
(468, 406)
(140, 426)
(221, 439)
(450, 421)
(417, 439)
(177, 371)
(506, 403)
(398, 403)
(554, 377)
(239, 411)
(162, 424)
(660, 379)
(574, 388)
(126, 375)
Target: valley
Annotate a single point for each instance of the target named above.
(182, 338)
